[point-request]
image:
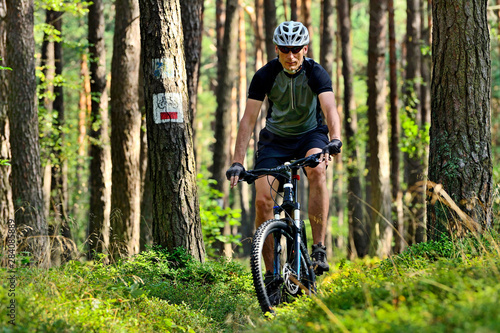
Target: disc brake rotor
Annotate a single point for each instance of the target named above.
(290, 286)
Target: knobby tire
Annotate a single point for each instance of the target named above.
(258, 267)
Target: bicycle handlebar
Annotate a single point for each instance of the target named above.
(310, 161)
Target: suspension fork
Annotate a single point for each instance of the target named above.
(297, 222)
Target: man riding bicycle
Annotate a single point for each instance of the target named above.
(300, 92)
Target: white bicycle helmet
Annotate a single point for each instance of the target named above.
(291, 33)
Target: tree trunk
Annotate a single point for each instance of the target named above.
(99, 148)
(307, 21)
(326, 58)
(226, 73)
(24, 141)
(295, 6)
(146, 228)
(60, 199)
(176, 214)
(358, 242)
(244, 201)
(46, 101)
(125, 130)
(270, 24)
(219, 25)
(397, 194)
(414, 165)
(6, 205)
(460, 136)
(378, 136)
(192, 27)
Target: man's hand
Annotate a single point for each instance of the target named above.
(333, 148)
(234, 172)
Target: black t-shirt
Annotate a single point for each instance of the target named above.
(294, 108)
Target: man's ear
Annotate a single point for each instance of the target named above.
(306, 47)
(276, 49)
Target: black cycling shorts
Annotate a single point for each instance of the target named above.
(274, 150)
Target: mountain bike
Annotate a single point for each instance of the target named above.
(292, 273)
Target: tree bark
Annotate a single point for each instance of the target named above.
(125, 130)
(460, 135)
(227, 70)
(176, 215)
(192, 27)
(24, 141)
(378, 132)
(244, 201)
(99, 146)
(397, 193)
(270, 24)
(358, 243)
(414, 165)
(307, 21)
(227, 79)
(6, 205)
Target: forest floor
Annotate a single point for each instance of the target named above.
(446, 286)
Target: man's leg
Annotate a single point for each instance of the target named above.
(264, 211)
(318, 212)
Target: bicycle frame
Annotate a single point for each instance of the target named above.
(291, 206)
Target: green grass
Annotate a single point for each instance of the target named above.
(446, 286)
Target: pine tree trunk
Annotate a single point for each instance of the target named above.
(397, 194)
(307, 21)
(192, 26)
(176, 215)
(24, 141)
(414, 165)
(125, 130)
(270, 24)
(358, 232)
(227, 79)
(460, 135)
(99, 148)
(244, 201)
(6, 205)
(378, 132)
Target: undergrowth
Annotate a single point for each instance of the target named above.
(443, 286)
(155, 291)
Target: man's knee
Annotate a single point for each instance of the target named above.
(317, 175)
(263, 203)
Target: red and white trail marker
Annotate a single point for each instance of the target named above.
(167, 108)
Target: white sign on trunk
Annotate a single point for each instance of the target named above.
(167, 108)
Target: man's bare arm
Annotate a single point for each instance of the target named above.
(245, 130)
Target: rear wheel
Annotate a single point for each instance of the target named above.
(279, 284)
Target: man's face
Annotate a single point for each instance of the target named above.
(291, 61)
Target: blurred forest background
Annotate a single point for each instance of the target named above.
(340, 32)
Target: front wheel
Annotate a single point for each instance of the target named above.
(273, 264)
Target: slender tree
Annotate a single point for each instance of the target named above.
(378, 132)
(6, 205)
(227, 78)
(307, 21)
(99, 148)
(397, 193)
(192, 27)
(358, 244)
(176, 217)
(270, 24)
(460, 135)
(125, 129)
(24, 141)
(414, 161)
(243, 191)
